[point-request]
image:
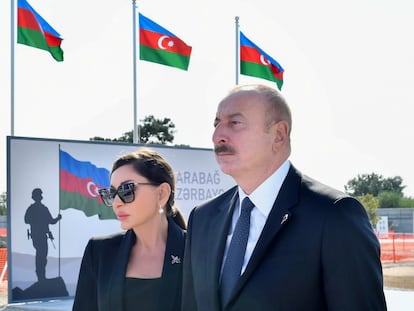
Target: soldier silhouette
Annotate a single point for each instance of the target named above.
(38, 217)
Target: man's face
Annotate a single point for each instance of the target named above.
(243, 145)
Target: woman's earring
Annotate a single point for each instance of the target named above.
(160, 210)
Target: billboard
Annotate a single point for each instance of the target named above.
(36, 182)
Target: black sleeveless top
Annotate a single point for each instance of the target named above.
(142, 294)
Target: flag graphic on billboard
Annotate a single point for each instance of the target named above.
(79, 184)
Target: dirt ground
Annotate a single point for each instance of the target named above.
(399, 276)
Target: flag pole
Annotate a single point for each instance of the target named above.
(12, 30)
(60, 199)
(237, 49)
(134, 40)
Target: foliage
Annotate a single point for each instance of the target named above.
(388, 199)
(371, 205)
(407, 202)
(153, 131)
(388, 191)
(102, 138)
(374, 184)
(3, 203)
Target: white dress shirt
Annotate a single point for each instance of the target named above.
(263, 199)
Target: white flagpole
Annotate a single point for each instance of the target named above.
(237, 50)
(134, 40)
(60, 204)
(12, 31)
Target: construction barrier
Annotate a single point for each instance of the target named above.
(3, 269)
(3, 259)
(3, 264)
(397, 247)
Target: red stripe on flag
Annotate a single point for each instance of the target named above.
(52, 40)
(26, 19)
(249, 54)
(276, 72)
(83, 186)
(252, 55)
(163, 42)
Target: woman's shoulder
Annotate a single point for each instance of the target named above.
(109, 236)
(175, 229)
(109, 239)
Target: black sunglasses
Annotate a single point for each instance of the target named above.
(126, 192)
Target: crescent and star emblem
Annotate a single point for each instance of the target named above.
(91, 187)
(170, 43)
(264, 60)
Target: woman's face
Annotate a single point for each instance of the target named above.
(144, 209)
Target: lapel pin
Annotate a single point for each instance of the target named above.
(284, 219)
(175, 259)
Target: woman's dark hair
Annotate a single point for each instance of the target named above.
(156, 169)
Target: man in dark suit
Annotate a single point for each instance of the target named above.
(309, 247)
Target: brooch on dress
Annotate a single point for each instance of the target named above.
(175, 259)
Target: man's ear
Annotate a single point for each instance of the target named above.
(281, 131)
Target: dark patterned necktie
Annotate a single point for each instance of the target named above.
(237, 249)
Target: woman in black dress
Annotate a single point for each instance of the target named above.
(140, 268)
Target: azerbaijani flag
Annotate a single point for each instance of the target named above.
(158, 45)
(33, 30)
(255, 62)
(79, 184)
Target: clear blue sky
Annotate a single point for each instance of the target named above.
(348, 77)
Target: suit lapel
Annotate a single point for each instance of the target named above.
(216, 237)
(279, 216)
(118, 273)
(172, 268)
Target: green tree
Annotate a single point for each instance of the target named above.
(3, 203)
(407, 202)
(152, 131)
(388, 199)
(370, 204)
(157, 131)
(374, 184)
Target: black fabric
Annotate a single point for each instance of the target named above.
(144, 293)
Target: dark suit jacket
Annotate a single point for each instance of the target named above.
(317, 252)
(102, 273)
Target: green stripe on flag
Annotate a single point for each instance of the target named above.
(89, 207)
(259, 71)
(36, 39)
(164, 57)
(32, 38)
